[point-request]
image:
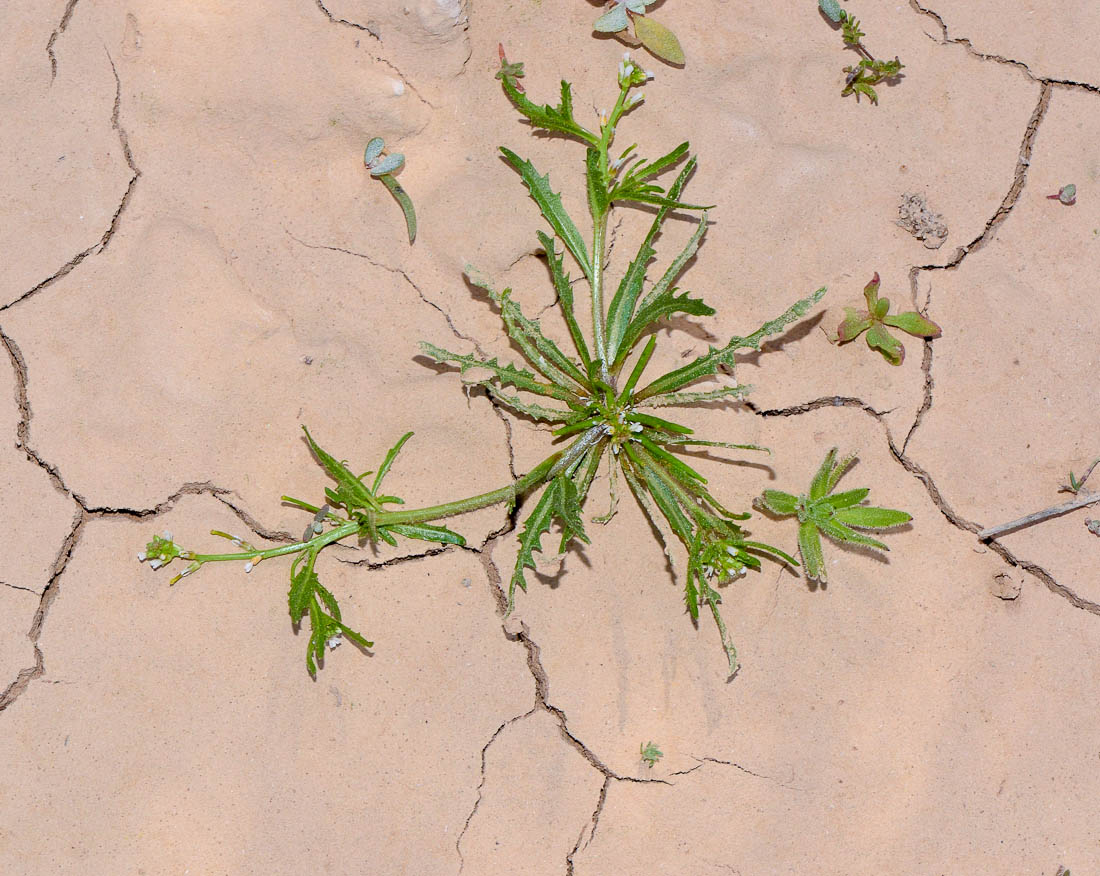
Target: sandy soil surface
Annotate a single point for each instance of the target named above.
(195, 263)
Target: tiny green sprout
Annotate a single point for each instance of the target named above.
(512, 72)
(870, 71)
(838, 515)
(1066, 194)
(383, 167)
(657, 38)
(1074, 486)
(651, 754)
(874, 320)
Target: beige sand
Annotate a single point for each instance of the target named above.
(195, 263)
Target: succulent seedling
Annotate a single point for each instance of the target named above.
(651, 754)
(657, 38)
(874, 320)
(838, 515)
(383, 167)
(594, 396)
(1066, 194)
(870, 71)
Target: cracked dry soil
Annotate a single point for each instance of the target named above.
(195, 264)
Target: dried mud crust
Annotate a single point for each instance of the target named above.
(899, 720)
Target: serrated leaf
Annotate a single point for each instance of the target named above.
(549, 203)
(391, 455)
(709, 363)
(653, 310)
(507, 375)
(890, 347)
(351, 492)
(530, 540)
(567, 510)
(914, 324)
(531, 409)
(559, 118)
(779, 502)
(658, 39)
(626, 296)
(868, 517)
(301, 588)
(540, 351)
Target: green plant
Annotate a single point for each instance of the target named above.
(651, 754)
(596, 399)
(870, 71)
(838, 515)
(383, 167)
(1067, 194)
(652, 34)
(874, 320)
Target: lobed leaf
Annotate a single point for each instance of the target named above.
(551, 118)
(549, 203)
(351, 492)
(710, 362)
(507, 375)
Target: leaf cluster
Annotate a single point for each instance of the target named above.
(657, 38)
(876, 317)
(837, 515)
(870, 71)
(595, 394)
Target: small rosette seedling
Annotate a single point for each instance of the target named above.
(1067, 195)
(870, 71)
(383, 167)
(837, 515)
(657, 38)
(651, 754)
(874, 320)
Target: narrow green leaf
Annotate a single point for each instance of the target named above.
(550, 205)
(646, 169)
(658, 39)
(391, 455)
(402, 198)
(565, 297)
(847, 499)
(760, 547)
(658, 423)
(842, 533)
(779, 502)
(677, 266)
(809, 545)
(869, 517)
(639, 367)
(685, 471)
(651, 311)
(671, 399)
(819, 486)
(427, 532)
(621, 310)
(598, 182)
(508, 375)
(710, 362)
(914, 324)
(839, 469)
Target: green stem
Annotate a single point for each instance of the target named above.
(414, 515)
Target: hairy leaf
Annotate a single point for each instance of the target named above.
(507, 375)
(551, 118)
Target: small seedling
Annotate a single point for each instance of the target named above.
(1066, 194)
(838, 515)
(651, 754)
(869, 71)
(657, 38)
(1074, 486)
(596, 399)
(874, 320)
(383, 167)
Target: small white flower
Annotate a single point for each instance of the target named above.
(167, 535)
(333, 642)
(156, 564)
(141, 557)
(635, 427)
(248, 566)
(186, 572)
(649, 74)
(633, 101)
